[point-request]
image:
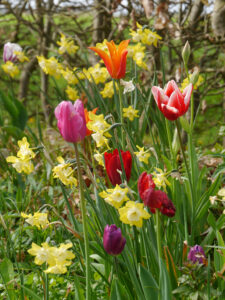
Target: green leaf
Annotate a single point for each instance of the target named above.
(211, 220)
(185, 125)
(118, 292)
(7, 274)
(165, 286)
(149, 285)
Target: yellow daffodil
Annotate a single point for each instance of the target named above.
(221, 193)
(97, 73)
(115, 197)
(130, 113)
(146, 36)
(69, 76)
(21, 165)
(160, 178)
(100, 139)
(99, 157)
(186, 82)
(50, 66)
(97, 123)
(137, 52)
(72, 93)
(21, 56)
(40, 220)
(42, 254)
(108, 90)
(142, 154)
(66, 45)
(64, 172)
(133, 214)
(138, 34)
(10, 69)
(25, 151)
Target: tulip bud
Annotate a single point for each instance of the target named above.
(8, 52)
(194, 77)
(196, 255)
(186, 53)
(113, 241)
(71, 121)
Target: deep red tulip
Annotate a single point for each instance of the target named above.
(112, 164)
(171, 102)
(113, 241)
(154, 198)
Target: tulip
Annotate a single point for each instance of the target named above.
(116, 61)
(197, 255)
(87, 119)
(112, 164)
(71, 121)
(8, 52)
(170, 101)
(113, 241)
(154, 198)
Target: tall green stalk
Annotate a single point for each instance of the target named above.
(159, 245)
(121, 114)
(85, 230)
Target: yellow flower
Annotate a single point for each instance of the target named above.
(185, 83)
(62, 255)
(103, 46)
(142, 155)
(25, 152)
(40, 220)
(99, 74)
(150, 37)
(160, 179)
(100, 139)
(115, 197)
(72, 93)
(21, 165)
(130, 113)
(138, 34)
(69, 76)
(108, 90)
(133, 214)
(137, 52)
(99, 157)
(50, 66)
(42, 254)
(221, 193)
(64, 172)
(10, 69)
(66, 45)
(98, 123)
(21, 56)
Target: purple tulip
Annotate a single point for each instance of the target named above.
(197, 255)
(71, 120)
(8, 52)
(113, 241)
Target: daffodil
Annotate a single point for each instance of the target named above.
(221, 193)
(99, 157)
(50, 66)
(67, 45)
(128, 86)
(40, 220)
(97, 123)
(25, 151)
(130, 113)
(21, 165)
(64, 172)
(100, 139)
(186, 82)
(108, 90)
(72, 93)
(142, 154)
(133, 214)
(21, 56)
(97, 73)
(42, 254)
(69, 76)
(160, 178)
(10, 69)
(138, 34)
(137, 52)
(115, 197)
(150, 37)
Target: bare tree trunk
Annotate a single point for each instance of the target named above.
(25, 78)
(195, 13)
(148, 6)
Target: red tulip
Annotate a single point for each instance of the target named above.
(154, 198)
(117, 60)
(170, 101)
(112, 164)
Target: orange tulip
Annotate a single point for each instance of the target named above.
(86, 114)
(116, 61)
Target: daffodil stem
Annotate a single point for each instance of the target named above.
(84, 219)
(158, 235)
(121, 113)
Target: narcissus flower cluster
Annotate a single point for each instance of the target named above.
(40, 220)
(22, 162)
(57, 258)
(146, 36)
(115, 197)
(64, 172)
(66, 45)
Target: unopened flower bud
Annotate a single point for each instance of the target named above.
(8, 52)
(186, 53)
(113, 241)
(194, 77)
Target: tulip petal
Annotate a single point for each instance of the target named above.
(171, 113)
(159, 96)
(105, 57)
(187, 96)
(123, 61)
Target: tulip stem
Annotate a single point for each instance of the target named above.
(185, 161)
(121, 113)
(83, 211)
(158, 235)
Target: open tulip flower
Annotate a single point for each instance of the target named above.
(170, 101)
(71, 121)
(8, 52)
(112, 164)
(117, 60)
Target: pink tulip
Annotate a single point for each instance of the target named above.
(170, 101)
(71, 120)
(8, 52)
